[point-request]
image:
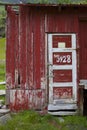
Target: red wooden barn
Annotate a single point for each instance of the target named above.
(46, 57)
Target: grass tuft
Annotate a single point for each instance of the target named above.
(31, 120)
(2, 61)
(2, 49)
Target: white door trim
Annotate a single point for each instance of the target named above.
(52, 67)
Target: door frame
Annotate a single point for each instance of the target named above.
(74, 59)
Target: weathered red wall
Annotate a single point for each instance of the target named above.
(11, 48)
(26, 51)
(83, 48)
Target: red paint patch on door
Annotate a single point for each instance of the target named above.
(61, 39)
(62, 76)
(62, 93)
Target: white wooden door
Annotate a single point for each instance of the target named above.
(62, 72)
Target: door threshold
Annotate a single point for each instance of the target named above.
(62, 113)
(66, 106)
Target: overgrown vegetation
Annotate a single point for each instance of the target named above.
(31, 120)
(2, 49)
(2, 66)
(2, 62)
(2, 45)
(2, 21)
(2, 59)
(58, 1)
(46, 1)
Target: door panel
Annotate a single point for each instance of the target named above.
(62, 92)
(62, 68)
(58, 40)
(62, 75)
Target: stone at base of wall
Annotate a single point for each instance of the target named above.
(5, 118)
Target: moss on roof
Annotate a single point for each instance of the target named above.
(44, 1)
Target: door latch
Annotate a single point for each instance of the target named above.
(50, 64)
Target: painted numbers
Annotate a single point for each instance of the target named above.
(63, 58)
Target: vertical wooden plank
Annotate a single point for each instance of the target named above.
(17, 82)
(10, 48)
(60, 21)
(42, 52)
(37, 38)
(30, 51)
(22, 46)
(83, 49)
(39, 48)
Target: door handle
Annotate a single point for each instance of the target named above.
(50, 64)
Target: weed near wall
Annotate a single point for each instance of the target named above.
(31, 120)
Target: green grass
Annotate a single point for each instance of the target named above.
(31, 120)
(2, 8)
(2, 97)
(2, 51)
(2, 72)
(2, 48)
(2, 61)
(75, 123)
(2, 12)
(2, 21)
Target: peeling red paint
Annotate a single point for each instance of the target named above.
(62, 93)
(39, 94)
(26, 99)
